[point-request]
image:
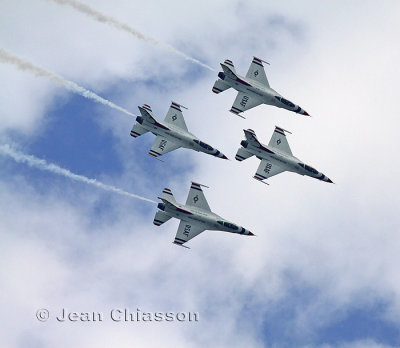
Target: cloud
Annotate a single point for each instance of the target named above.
(335, 245)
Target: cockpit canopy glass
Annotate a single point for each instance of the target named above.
(285, 101)
(228, 225)
(203, 145)
(308, 168)
(311, 169)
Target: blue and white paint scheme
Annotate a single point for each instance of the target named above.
(276, 157)
(195, 215)
(254, 88)
(171, 134)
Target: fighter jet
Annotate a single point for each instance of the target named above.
(171, 134)
(196, 215)
(253, 89)
(276, 157)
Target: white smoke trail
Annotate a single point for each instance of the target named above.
(23, 64)
(100, 17)
(35, 162)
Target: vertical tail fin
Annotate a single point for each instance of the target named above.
(167, 195)
(230, 64)
(251, 137)
(147, 114)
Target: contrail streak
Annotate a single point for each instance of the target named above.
(35, 162)
(23, 64)
(100, 17)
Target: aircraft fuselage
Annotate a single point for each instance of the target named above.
(179, 136)
(209, 220)
(282, 159)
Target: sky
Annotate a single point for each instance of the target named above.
(322, 271)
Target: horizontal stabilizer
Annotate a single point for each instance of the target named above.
(220, 86)
(138, 130)
(242, 154)
(160, 218)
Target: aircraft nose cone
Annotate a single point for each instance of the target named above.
(329, 180)
(223, 156)
(250, 233)
(305, 113)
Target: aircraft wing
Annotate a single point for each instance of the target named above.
(279, 141)
(256, 72)
(187, 231)
(266, 169)
(161, 146)
(196, 197)
(243, 102)
(175, 116)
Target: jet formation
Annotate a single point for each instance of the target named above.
(195, 215)
(171, 134)
(254, 88)
(276, 157)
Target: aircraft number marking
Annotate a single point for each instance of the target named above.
(174, 118)
(187, 230)
(244, 101)
(195, 198)
(267, 168)
(256, 73)
(278, 141)
(162, 145)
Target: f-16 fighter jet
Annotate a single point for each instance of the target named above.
(275, 158)
(196, 215)
(171, 133)
(253, 89)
